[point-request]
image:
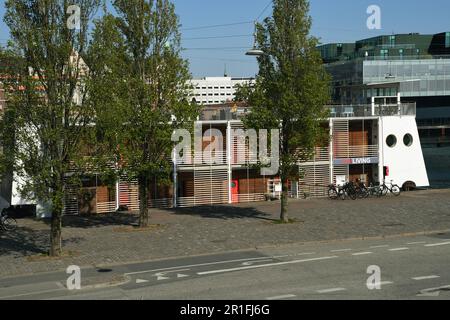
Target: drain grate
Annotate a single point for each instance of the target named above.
(104, 270)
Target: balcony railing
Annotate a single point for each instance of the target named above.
(346, 151)
(360, 111)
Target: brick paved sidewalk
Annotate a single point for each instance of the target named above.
(96, 241)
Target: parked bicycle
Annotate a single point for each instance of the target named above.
(394, 189)
(349, 191)
(361, 190)
(373, 190)
(7, 223)
(334, 192)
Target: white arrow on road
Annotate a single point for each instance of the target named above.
(141, 281)
(163, 275)
(160, 277)
(432, 292)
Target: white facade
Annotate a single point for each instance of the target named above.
(216, 90)
(402, 151)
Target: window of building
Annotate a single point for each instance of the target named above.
(400, 53)
(384, 53)
(339, 49)
(447, 39)
(408, 140)
(391, 141)
(392, 40)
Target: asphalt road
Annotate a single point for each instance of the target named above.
(410, 268)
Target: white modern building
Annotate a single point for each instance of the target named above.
(216, 90)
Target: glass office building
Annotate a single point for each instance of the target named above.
(415, 66)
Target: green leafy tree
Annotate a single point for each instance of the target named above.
(47, 99)
(291, 88)
(145, 90)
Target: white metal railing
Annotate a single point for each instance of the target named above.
(345, 152)
(106, 207)
(160, 203)
(368, 110)
(252, 197)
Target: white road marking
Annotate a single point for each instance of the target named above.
(287, 296)
(399, 249)
(342, 250)
(163, 275)
(383, 283)
(195, 265)
(362, 253)
(265, 265)
(331, 290)
(182, 276)
(432, 292)
(425, 278)
(250, 263)
(32, 293)
(305, 254)
(138, 281)
(437, 244)
(377, 247)
(418, 242)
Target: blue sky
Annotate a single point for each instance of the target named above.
(333, 21)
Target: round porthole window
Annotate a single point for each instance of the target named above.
(391, 141)
(408, 140)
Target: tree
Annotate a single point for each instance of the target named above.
(147, 96)
(48, 99)
(291, 88)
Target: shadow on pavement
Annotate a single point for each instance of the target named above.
(224, 212)
(26, 241)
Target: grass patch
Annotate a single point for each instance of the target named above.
(47, 257)
(131, 229)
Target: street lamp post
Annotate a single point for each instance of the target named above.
(254, 51)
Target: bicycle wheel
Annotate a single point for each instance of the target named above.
(379, 192)
(332, 194)
(9, 224)
(396, 191)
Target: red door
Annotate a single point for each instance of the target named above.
(235, 191)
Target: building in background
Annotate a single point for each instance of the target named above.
(216, 90)
(373, 143)
(413, 65)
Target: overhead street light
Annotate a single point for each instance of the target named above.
(254, 51)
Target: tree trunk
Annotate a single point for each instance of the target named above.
(55, 232)
(284, 201)
(143, 205)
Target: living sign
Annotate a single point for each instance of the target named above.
(373, 160)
